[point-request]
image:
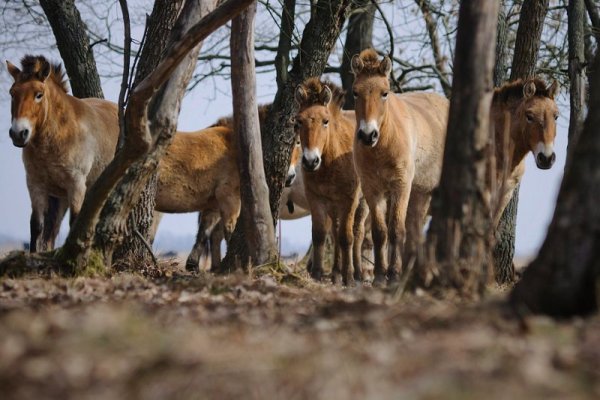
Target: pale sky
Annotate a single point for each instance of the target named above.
(201, 108)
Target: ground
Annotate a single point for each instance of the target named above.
(277, 335)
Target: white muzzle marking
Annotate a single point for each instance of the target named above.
(20, 124)
(546, 149)
(368, 126)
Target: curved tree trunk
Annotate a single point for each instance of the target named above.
(564, 278)
(527, 44)
(458, 242)
(74, 46)
(318, 39)
(133, 250)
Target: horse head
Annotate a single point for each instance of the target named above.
(371, 90)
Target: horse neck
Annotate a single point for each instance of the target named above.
(517, 145)
(334, 143)
(387, 121)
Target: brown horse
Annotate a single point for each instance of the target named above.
(398, 153)
(67, 142)
(330, 181)
(524, 117)
(210, 229)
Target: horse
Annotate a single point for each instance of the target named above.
(398, 154)
(67, 142)
(210, 230)
(330, 181)
(523, 114)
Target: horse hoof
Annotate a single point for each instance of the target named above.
(351, 282)
(379, 281)
(316, 274)
(336, 278)
(192, 267)
(393, 276)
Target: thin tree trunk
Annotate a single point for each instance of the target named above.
(527, 44)
(277, 137)
(359, 36)
(77, 251)
(282, 59)
(459, 241)
(74, 46)
(577, 18)
(564, 278)
(255, 214)
(501, 65)
(139, 223)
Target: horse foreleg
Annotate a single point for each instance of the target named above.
(418, 206)
(206, 223)
(397, 230)
(39, 205)
(53, 217)
(320, 226)
(336, 270)
(345, 242)
(76, 195)
(377, 208)
(215, 248)
(360, 216)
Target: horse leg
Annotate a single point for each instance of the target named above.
(53, 217)
(154, 227)
(418, 206)
(377, 208)
(76, 195)
(397, 230)
(39, 205)
(346, 240)
(206, 223)
(320, 226)
(229, 207)
(361, 214)
(336, 272)
(215, 247)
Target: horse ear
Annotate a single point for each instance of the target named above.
(357, 64)
(13, 70)
(326, 95)
(553, 89)
(44, 71)
(300, 95)
(529, 89)
(385, 67)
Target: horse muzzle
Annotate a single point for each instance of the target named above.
(311, 164)
(368, 139)
(544, 162)
(291, 177)
(19, 138)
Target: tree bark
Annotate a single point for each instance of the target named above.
(594, 13)
(459, 239)
(77, 251)
(318, 39)
(501, 64)
(133, 249)
(527, 44)
(359, 36)
(564, 277)
(255, 213)
(282, 59)
(577, 19)
(74, 46)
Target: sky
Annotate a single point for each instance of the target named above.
(201, 108)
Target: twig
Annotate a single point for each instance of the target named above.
(126, 60)
(390, 32)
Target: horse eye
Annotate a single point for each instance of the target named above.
(355, 94)
(39, 95)
(529, 118)
(556, 117)
(297, 124)
(325, 122)
(384, 95)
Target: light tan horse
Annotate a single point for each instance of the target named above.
(67, 142)
(398, 154)
(524, 117)
(330, 181)
(210, 230)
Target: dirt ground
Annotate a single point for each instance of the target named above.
(277, 335)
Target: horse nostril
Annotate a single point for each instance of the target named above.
(552, 158)
(375, 135)
(541, 158)
(24, 133)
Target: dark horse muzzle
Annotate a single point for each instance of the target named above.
(544, 162)
(368, 139)
(19, 138)
(291, 176)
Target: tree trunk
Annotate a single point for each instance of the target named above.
(133, 249)
(138, 187)
(577, 19)
(564, 277)
(255, 214)
(77, 253)
(459, 239)
(359, 36)
(74, 46)
(282, 59)
(318, 39)
(527, 44)
(501, 65)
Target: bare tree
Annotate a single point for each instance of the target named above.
(459, 236)
(564, 277)
(577, 20)
(256, 220)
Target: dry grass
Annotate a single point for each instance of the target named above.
(277, 334)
